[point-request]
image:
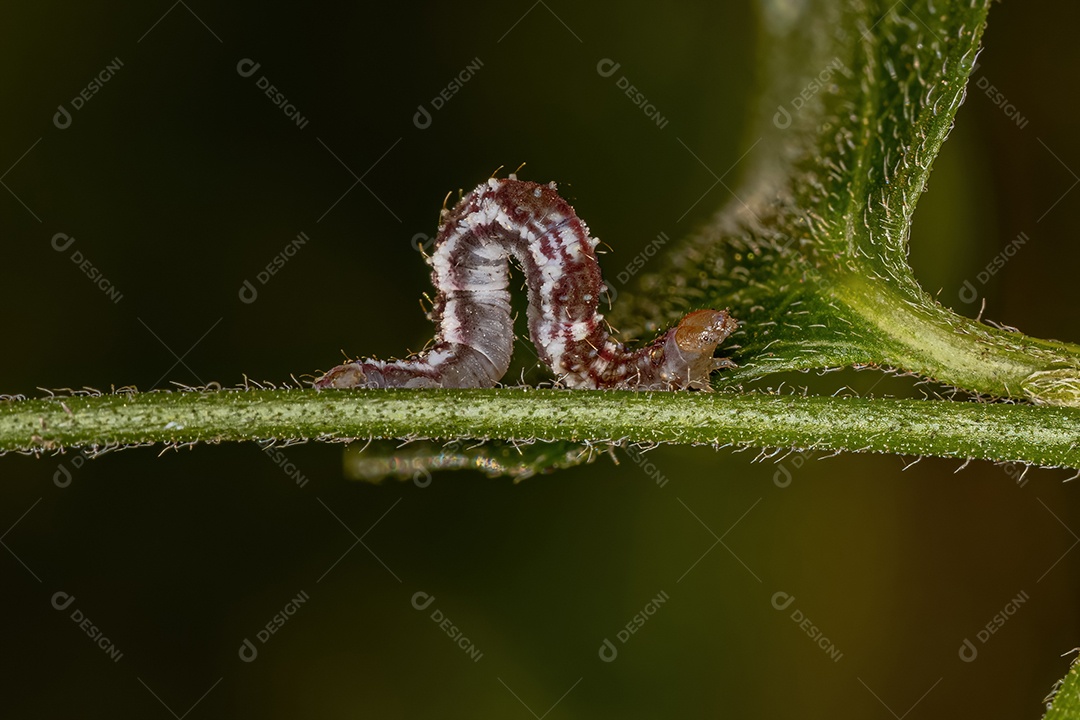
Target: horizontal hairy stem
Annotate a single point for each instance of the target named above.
(1039, 435)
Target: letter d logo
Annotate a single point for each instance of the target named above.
(782, 600)
(248, 652)
(62, 118)
(606, 67)
(62, 241)
(247, 67)
(782, 477)
(61, 600)
(248, 293)
(62, 477)
(422, 600)
(968, 294)
(782, 118)
(422, 118)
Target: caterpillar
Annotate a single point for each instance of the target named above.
(529, 222)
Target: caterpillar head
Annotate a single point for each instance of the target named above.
(689, 348)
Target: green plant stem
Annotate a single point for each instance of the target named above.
(1066, 702)
(1040, 435)
(921, 336)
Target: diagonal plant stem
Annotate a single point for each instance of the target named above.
(1066, 696)
(811, 256)
(1000, 432)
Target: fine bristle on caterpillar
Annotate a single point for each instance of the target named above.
(529, 222)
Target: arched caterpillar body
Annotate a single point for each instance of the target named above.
(504, 218)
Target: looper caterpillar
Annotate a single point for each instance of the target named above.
(504, 218)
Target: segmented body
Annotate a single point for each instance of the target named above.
(531, 223)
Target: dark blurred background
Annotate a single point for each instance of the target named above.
(179, 179)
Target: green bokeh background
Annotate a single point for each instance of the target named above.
(179, 180)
